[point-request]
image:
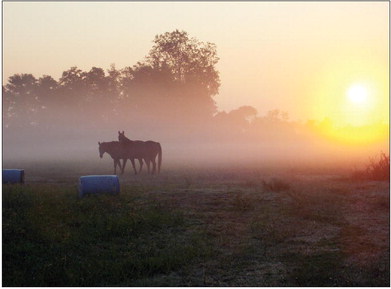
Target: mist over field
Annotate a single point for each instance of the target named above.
(168, 98)
(271, 143)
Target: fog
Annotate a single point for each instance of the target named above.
(169, 98)
(185, 143)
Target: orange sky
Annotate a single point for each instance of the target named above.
(300, 57)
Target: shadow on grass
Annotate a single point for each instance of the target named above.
(52, 238)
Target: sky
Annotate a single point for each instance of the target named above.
(299, 57)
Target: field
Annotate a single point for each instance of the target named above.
(196, 227)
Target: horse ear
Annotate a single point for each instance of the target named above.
(98, 142)
(119, 132)
(123, 132)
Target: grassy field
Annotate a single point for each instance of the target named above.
(196, 227)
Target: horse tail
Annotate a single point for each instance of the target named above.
(159, 157)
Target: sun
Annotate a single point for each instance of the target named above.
(357, 94)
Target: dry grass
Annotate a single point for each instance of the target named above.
(376, 169)
(261, 230)
(276, 185)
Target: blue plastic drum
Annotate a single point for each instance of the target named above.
(98, 184)
(13, 176)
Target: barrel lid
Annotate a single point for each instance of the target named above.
(99, 176)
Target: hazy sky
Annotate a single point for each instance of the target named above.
(300, 57)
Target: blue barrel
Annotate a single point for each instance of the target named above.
(13, 176)
(98, 184)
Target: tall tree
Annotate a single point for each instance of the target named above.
(21, 98)
(237, 121)
(113, 82)
(46, 90)
(72, 88)
(96, 83)
(192, 66)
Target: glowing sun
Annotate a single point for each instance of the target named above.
(357, 94)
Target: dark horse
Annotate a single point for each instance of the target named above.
(118, 151)
(148, 150)
(115, 150)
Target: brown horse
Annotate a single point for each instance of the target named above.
(147, 150)
(117, 151)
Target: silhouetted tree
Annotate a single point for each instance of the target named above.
(146, 92)
(244, 114)
(21, 84)
(102, 93)
(96, 81)
(175, 83)
(47, 83)
(21, 98)
(191, 64)
(9, 113)
(83, 94)
(46, 91)
(276, 115)
(72, 89)
(72, 78)
(235, 123)
(189, 60)
(275, 125)
(113, 82)
(114, 91)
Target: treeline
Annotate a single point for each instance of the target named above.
(172, 89)
(176, 81)
(169, 93)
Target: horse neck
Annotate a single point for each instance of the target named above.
(111, 148)
(126, 140)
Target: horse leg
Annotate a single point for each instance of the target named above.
(115, 166)
(140, 160)
(134, 167)
(123, 165)
(154, 166)
(147, 162)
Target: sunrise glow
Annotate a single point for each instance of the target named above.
(358, 94)
(279, 56)
(355, 135)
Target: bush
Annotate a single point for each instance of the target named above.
(276, 185)
(377, 170)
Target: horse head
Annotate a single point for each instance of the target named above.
(101, 149)
(121, 136)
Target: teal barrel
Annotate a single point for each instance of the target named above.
(13, 176)
(97, 184)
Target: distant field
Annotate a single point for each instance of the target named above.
(188, 226)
